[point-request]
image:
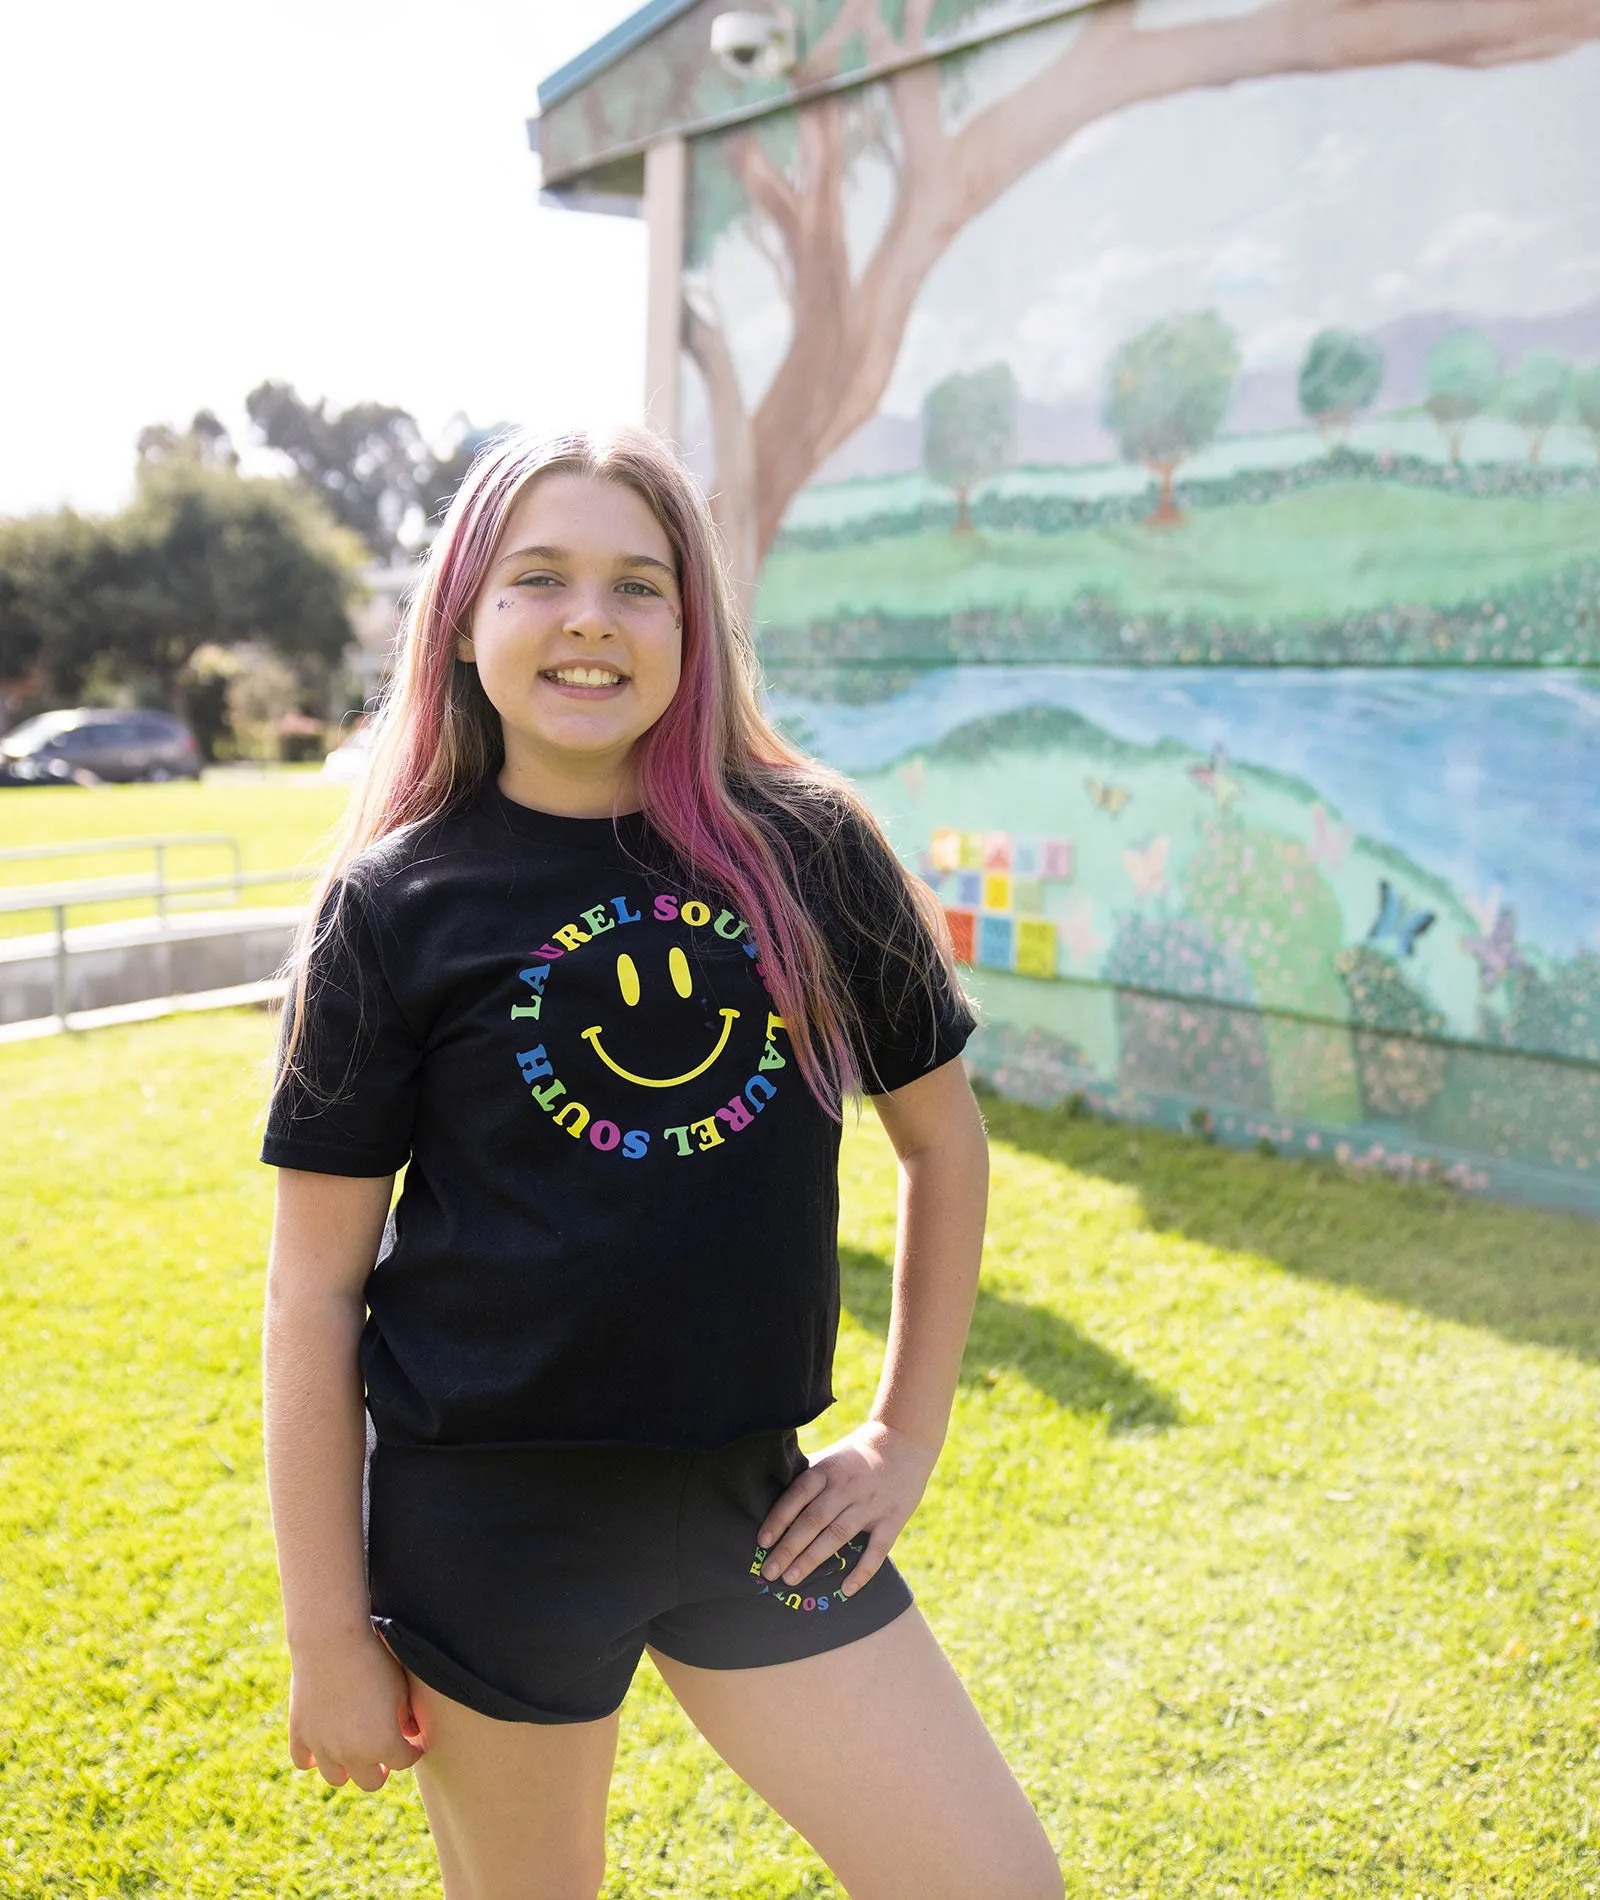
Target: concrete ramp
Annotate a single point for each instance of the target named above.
(107, 965)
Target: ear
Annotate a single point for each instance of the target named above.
(464, 649)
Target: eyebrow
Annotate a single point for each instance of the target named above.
(565, 554)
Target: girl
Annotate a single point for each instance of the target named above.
(597, 960)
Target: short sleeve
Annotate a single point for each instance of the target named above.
(912, 1015)
(347, 1102)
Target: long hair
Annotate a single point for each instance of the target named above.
(725, 792)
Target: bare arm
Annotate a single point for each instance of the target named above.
(348, 1698)
(874, 1477)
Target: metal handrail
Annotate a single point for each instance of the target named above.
(158, 842)
(114, 890)
(60, 898)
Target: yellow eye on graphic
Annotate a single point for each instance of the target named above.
(627, 979)
(678, 964)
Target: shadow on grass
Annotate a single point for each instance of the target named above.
(1533, 1277)
(1050, 1353)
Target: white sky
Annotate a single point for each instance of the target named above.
(337, 195)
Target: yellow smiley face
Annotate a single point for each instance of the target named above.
(683, 983)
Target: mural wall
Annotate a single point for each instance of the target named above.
(1166, 458)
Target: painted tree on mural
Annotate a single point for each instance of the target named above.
(1341, 375)
(1536, 393)
(1463, 378)
(969, 432)
(1166, 391)
(1586, 400)
(846, 316)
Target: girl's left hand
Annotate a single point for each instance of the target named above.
(870, 1480)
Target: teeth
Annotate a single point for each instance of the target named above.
(586, 676)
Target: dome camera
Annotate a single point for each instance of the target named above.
(752, 45)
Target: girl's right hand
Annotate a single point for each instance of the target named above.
(350, 1713)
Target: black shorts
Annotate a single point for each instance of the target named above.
(526, 1583)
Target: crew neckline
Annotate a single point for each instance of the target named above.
(548, 827)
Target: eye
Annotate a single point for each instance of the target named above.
(627, 979)
(678, 966)
(644, 588)
(537, 580)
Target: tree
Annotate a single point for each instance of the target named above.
(203, 554)
(969, 431)
(1536, 392)
(369, 462)
(448, 466)
(55, 571)
(1586, 400)
(1166, 391)
(210, 555)
(848, 314)
(1463, 376)
(206, 440)
(1341, 375)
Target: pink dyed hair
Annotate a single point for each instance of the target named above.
(713, 774)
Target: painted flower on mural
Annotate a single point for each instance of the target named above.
(1400, 1073)
(1186, 1047)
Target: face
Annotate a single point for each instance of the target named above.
(576, 633)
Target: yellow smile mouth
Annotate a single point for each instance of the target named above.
(592, 1037)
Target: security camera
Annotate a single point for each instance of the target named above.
(752, 45)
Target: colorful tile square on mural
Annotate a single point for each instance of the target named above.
(1036, 947)
(997, 851)
(944, 848)
(996, 941)
(1025, 857)
(972, 850)
(961, 924)
(1055, 857)
(1027, 894)
(969, 889)
(997, 891)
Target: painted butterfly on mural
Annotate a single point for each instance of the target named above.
(1496, 950)
(1111, 798)
(1148, 867)
(1076, 930)
(1213, 778)
(1396, 921)
(1329, 841)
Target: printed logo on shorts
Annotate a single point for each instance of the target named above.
(803, 1599)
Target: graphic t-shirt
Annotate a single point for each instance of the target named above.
(619, 1220)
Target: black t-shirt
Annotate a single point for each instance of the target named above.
(619, 1221)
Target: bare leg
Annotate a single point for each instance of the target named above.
(517, 1809)
(876, 1755)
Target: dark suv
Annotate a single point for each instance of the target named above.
(93, 743)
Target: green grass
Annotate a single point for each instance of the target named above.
(1265, 1534)
(282, 819)
(1319, 554)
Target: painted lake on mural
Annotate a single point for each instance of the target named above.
(1483, 780)
(1323, 906)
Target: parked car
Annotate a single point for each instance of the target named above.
(93, 743)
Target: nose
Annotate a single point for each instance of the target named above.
(589, 614)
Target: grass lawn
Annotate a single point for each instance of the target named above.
(281, 819)
(1265, 1536)
(1323, 553)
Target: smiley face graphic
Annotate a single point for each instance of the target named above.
(657, 979)
(629, 985)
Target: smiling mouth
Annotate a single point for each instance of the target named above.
(588, 678)
(592, 1037)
